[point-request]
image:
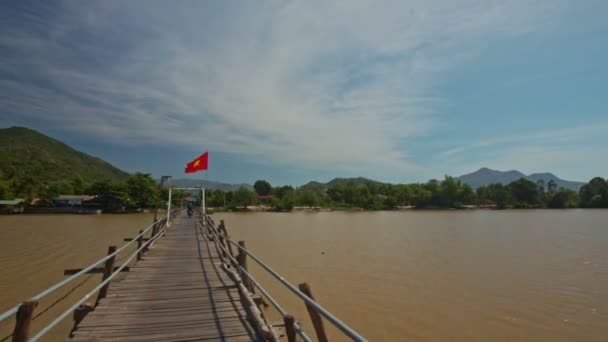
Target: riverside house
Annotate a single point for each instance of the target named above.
(11, 206)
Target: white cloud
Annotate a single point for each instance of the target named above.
(323, 85)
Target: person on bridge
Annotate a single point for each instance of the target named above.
(190, 208)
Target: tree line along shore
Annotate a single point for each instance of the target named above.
(434, 194)
(141, 191)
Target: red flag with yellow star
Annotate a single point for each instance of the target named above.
(198, 164)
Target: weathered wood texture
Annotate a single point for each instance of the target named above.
(177, 292)
(315, 317)
(24, 319)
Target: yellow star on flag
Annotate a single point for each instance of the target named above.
(197, 162)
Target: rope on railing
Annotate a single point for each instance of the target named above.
(321, 310)
(67, 312)
(264, 292)
(59, 300)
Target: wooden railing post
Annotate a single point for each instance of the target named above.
(79, 314)
(315, 317)
(140, 242)
(21, 333)
(153, 230)
(242, 259)
(145, 250)
(290, 329)
(222, 229)
(107, 272)
(222, 241)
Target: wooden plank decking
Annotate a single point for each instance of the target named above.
(178, 292)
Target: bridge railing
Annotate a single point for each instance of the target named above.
(238, 261)
(24, 312)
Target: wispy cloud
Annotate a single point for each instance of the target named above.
(323, 85)
(553, 137)
(576, 152)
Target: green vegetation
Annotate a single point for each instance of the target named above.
(111, 196)
(142, 190)
(5, 190)
(35, 165)
(594, 194)
(563, 198)
(243, 197)
(262, 188)
(139, 191)
(361, 193)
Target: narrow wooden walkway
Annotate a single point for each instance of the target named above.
(178, 292)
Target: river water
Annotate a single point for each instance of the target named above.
(518, 275)
(534, 275)
(35, 249)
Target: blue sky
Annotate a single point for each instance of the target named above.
(292, 91)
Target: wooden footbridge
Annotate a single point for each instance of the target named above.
(184, 282)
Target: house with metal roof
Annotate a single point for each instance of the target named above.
(71, 200)
(11, 206)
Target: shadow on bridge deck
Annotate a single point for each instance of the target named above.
(178, 292)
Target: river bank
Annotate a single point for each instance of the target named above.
(265, 208)
(74, 210)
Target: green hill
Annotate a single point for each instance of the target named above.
(322, 187)
(29, 156)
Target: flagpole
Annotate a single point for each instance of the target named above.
(169, 208)
(195, 166)
(203, 191)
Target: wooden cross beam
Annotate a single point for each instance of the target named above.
(94, 270)
(131, 239)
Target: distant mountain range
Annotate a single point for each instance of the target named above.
(197, 183)
(481, 177)
(485, 176)
(322, 187)
(24, 151)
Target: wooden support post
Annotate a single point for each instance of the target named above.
(21, 333)
(315, 317)
(140, 241)
(72, 271)
(81, 311)
(242, 259)
(230, 247)
(222, 229)
(158, 227)
(109, 267)
(254, 315)
(79, 314)
(260, 304)
(223, 243)
(131, 239)
(290, 329)
(147, 244)
(154, 228)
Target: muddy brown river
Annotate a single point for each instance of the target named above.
(534, 275)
